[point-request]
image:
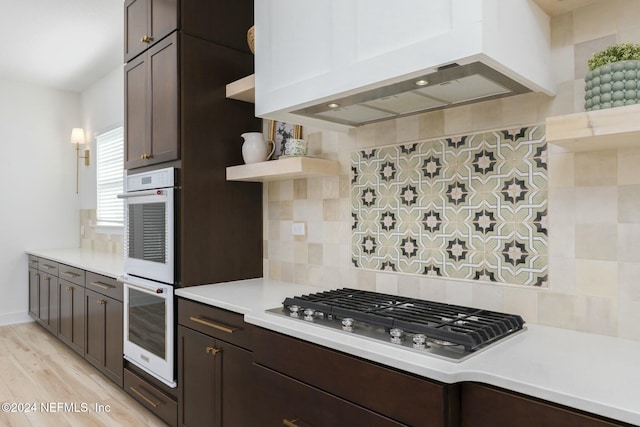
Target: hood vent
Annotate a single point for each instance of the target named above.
(451, 85)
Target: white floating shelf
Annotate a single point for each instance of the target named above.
(243, 89)
(273, 170)
(596, 130)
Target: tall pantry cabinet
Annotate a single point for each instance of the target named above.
(179, 57)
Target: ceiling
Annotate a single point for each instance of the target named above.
(556, 7)
(61, 44)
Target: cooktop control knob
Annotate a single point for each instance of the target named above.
(419, 341)
(396, 335)
(308, 314)
(293, 310)
(347, 324)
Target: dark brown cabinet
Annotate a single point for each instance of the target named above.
(151, 104)
(48, 295)
(147, 22)
(72, 317)
(360, 392)
(214, 372)
(104, 333)
(486, 406)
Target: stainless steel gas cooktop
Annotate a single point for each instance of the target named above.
(444, 330)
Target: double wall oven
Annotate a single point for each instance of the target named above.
(149, 266)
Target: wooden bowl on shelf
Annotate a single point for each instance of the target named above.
(251, 39)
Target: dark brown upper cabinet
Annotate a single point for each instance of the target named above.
(147, 22)
(151, 105)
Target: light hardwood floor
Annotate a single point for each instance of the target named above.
(38, 370)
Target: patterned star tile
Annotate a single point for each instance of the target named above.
(468, 207)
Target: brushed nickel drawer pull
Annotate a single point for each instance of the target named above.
(69, 288)
(33, 261)
(48, 266)
(101, 302)
(70, 274)
(212, 350)
(146, 39)
(102, 285)
(210, 324)
(145, 398)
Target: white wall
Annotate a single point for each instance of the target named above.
(38, 200)
(102, 106)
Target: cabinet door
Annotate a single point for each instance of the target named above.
(136, 122)
(199, 370)
(71, 319)
(113, 363)
(146, 22)
(151, 106)
(48, 303)
(34, 293)
(104, 334)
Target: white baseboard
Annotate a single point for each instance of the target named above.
(15, 318)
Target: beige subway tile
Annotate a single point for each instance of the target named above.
(562, 274)
(629, 281)
(333, 232)
(366, 280)
(487, 115)
(561, 170)
(273, 230)
(629, 204)
(596, 168)
(301, 252)
(628, 170)
(457, 120)
(315, 253)
(330, 142)
(315, 188)
(301, 274)
(597, 278)
(629, 319)
(626, 15)
(460, 293)
(522, 301)
(433, 289)
(348, 277)
(562, 206)
(517, 110)
(487, 297)
(330, 209)
(387, 283)
(275, 271)
(385, 132)
(299, 188)
(407, 128)
(593, 21)
(596, 205)
(330, 187)
(557, 310)
(597, 315)
(409, 285)
(287, 271)
(273, 190)
(431, 124)
(286, 210)
(597, 242)
(331, 255)
(629, 242)
(365, 136)
(315, 231)
(287, 253)
(561, 30)
(285, 231)
(562, 103)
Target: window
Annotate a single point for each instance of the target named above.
(110, 177)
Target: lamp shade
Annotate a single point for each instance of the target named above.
(77, 136)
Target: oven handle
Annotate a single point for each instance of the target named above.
(155, 290)
(157, 192)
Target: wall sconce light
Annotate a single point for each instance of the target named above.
(77, 137)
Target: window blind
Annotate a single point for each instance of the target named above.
(110, 176)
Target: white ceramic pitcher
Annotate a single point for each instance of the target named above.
(255, 148)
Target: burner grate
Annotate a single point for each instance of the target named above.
(464, 326)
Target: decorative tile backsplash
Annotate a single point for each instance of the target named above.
(470, 207)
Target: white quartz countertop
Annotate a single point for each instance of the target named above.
(103, 263)
(594, 373)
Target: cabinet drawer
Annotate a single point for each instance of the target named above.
(33, 261)
(105, 285)
(285, 401)
(71, 274)
(48, 266)
(378, 388)
(214, 322)
(162, 405)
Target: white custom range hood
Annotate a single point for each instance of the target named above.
(344, 63)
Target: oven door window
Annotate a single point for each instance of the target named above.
(147, 322)
(147, 224)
